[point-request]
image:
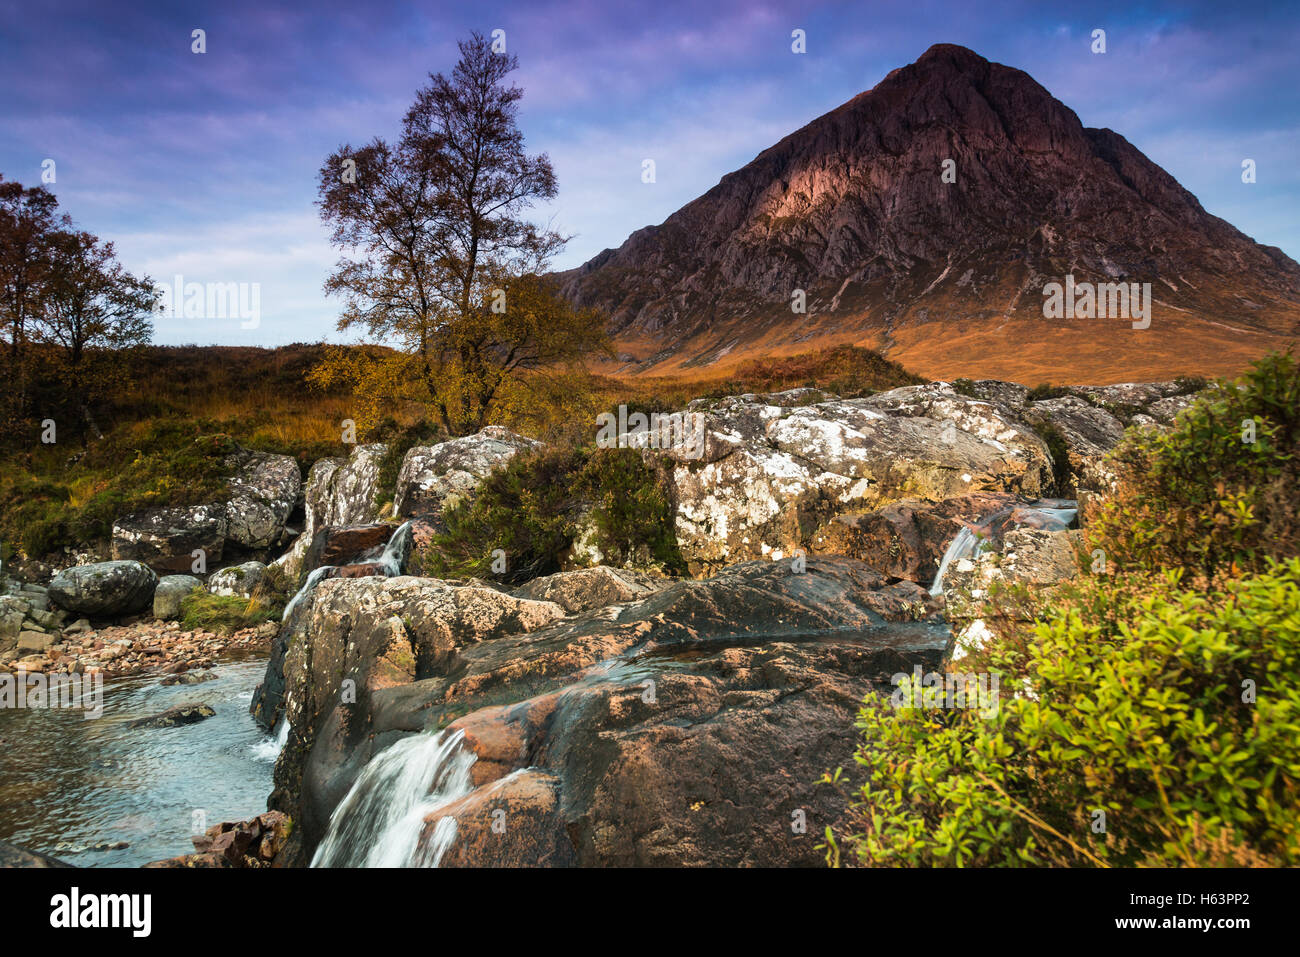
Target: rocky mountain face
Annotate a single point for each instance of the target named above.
(946, 277)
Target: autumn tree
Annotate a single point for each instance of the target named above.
(28, 217)
(440, 262)
(91, 310)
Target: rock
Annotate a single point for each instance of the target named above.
(252, 843)
(534, 833)
(769, 475)
(263, 493)
(1012, 395)
(333, 545)
(1167, 409)
(587, 588)
(435, 477)
(906, 539)
(34, 641)
(1089, 433)
(189, 678)
(1033, 556)
(684, 728)
(13, 856)
(310, 651)
(13, 610)
(104, 590)
(346, 494)
(166, 538)
(237, 580)
(340, 492)
(168, 595)
(190, 713)
(1021, 555)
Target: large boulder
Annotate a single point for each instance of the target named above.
(586, 588)
(339, 492)
(906, 539)
(170, 592)
(238, 580)
(434, 477)
(347, 493)
(687, 727)
(264, 491)
(165, 539)
(766, 476)
(104, 590)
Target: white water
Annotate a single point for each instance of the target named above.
(379, 822)
(268, 749)
(968, 543)
(390, 564)
(965, 545)
(306, 588)
(395, 552)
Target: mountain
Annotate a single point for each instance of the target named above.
(946, 277)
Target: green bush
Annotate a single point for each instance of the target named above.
(1140, 708)
(535, 508)
(1199, 495)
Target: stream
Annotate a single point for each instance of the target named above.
(68, 782)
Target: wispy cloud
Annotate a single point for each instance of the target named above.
(206, 164)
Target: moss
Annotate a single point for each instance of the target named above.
(203, 611)
(534, 509)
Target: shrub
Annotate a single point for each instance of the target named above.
(204, 611)
(1044, 391)
(535, 508)
(1199, 495)
(1142, 712)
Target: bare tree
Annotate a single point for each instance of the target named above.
(437, 229)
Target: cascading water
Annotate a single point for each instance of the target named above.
(389, 564)
(395, 552)
(306, 588)
(268, 749)
(1051, 514)
(967, 544)
(379, 822)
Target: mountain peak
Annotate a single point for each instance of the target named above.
(930, 209)
(951, 53)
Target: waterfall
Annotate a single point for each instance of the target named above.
(1051, 514)
(395, 552)
(390, 564)
(965, 545)
(268, 749)
(306, 588)
(379, 822)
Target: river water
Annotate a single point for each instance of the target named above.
(68, 782)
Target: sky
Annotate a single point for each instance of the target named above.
(204, 164)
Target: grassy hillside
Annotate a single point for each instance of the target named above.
(184, 407)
